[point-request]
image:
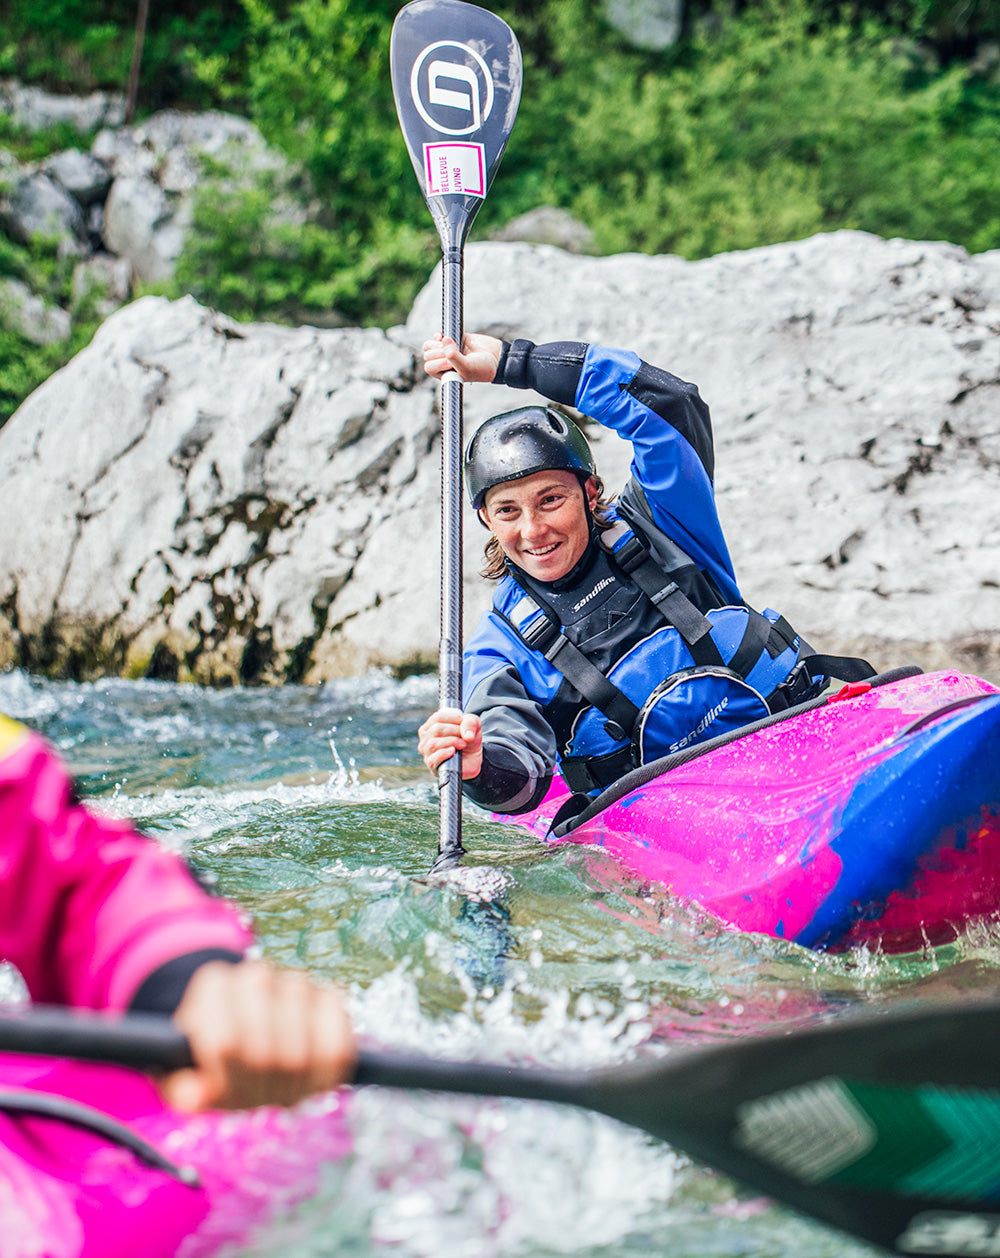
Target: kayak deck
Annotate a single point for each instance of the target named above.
(874, 820)
(69, 1192)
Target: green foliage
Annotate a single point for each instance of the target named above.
(771, 120)
(33, 146)
(24, 366)
(81, 45)
(772, 129)
(243, 259)
(950, 28)
(317, 86)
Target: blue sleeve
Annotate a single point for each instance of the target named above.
(665, 420)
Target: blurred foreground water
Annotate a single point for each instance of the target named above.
(311, 808)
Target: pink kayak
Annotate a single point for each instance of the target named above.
(871, 818)
(113, 1173)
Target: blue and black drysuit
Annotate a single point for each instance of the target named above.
(646, 646)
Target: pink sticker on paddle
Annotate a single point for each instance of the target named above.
(455, 168)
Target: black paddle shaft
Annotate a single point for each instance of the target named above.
(886, 1125)
(456, 79)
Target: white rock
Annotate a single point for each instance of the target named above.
(158, 168)
(36, 109)
(37, 205)
(26, 313)
(549, 225)
(139, 226)
(263, 501)
(82, 175)
(105, 277)
(653, 24)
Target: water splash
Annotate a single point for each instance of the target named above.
(311, 807)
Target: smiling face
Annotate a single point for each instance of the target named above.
(540, 521)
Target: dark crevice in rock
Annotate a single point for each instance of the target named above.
(844, 551)
(919, 464)
(258, 658)
(253, 462)
(962, 394)
(380, 467)
(73, 651)
(193, 442)
(164, 664)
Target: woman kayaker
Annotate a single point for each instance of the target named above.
(618, 633)
(96, 916)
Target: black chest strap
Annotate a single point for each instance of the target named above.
(760, 635)
(539, 630)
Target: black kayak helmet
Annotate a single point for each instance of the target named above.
(518, 443)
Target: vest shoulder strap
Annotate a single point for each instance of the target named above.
(539, 632)
(634, 559)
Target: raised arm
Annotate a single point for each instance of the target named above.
(663, 417)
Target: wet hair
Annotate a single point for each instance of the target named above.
(495, 565)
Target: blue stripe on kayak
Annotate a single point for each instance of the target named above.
(898, 810)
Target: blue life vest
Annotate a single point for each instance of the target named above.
(694, 676)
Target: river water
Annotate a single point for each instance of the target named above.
(311, 808)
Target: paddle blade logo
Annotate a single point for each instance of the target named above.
(450, 94)
(456, 79)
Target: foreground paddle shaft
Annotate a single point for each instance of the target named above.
(147, 1042)
(885, 1125)
(456, 79)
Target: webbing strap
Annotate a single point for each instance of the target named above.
(843, 667)
(782, 637)
(540, 633)
(585, 773)
(754, 641)
(680, 612)
(674, 605)
(592, 684)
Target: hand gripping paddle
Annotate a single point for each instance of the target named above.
(456, 78)
(886, 1125)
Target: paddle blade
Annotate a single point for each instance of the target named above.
(456, 79)
(886, 1126)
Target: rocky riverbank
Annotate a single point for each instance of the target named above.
(118, 204)
(191, 497)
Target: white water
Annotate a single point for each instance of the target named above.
(311, 808)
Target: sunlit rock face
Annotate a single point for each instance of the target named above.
(191, 497)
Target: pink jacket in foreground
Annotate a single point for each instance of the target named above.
(88, 907)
